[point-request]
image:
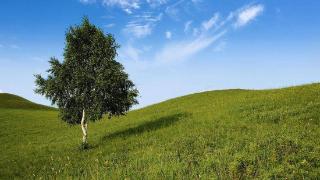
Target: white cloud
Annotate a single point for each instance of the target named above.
(184, 50)
(142, 25)
(207, 34)
(206, 25)
(195, 32)
(12, 46)
(174, 10)
(248, 14)
(109, 25)
(129, 53)
(138, 30)
(156, 3)
(127, 10)
(168, 34)
(1, 91)
(211, 22)
(87, 1)
(187, 26)
(196, 1)
(126, 5)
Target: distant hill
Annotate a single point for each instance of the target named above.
(225, 134)
(11, 101)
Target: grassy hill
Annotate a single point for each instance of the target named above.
(229, 134)
(10, 101)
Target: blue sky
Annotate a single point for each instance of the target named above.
(170, 48)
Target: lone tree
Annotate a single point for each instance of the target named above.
(89, 83)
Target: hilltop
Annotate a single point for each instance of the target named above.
(226, 134)
(11, 101)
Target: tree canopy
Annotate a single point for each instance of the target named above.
(89, 78)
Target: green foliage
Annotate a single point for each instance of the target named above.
(89, 77)
(229, 134)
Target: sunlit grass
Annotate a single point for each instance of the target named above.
(217, 134)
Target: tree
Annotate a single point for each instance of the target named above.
(89, 83)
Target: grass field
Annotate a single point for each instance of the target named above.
(227, 134)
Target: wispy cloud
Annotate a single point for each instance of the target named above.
(142, 25)
(207, 34)
(126, 5)
(187, 26)
(168, 34)
(133, 53)
(211, 22)
(10, 46)
(248, 14)
(173, 10)
(87, 1)
(156, 3)
(195, 31)
(184, 50)
(109, 25)
(203, 38)
(196, 1)
(129, 52)
(138, 30)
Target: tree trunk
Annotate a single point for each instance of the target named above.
(84, 127)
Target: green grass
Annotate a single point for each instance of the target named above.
(229, 134)
(10, 101)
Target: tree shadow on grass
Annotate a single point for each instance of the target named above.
(147, 126)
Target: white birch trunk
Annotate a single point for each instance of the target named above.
(84, 127)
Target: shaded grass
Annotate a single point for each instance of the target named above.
(230, 134)
(147, 126)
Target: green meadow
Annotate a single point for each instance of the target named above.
(226, 134)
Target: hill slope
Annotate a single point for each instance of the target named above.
(217, 134)
(16, 102)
